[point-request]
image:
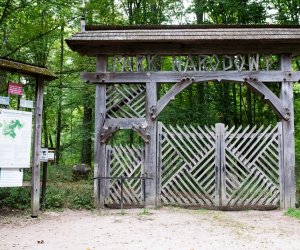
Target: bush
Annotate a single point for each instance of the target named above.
(15, 197)
(54, 197)
(82, 199)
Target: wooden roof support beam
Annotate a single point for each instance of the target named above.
(169, 96)
(274, 101)
(200, 76)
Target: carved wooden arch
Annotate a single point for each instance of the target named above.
(258, 87)
(139, 125)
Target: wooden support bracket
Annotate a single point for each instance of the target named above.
(142, 131)
(274, 101)
(107, 132)
(170, 95)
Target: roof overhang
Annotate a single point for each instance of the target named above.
(26, 69)
(170, 40)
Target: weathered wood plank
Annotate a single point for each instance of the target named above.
(159, 162)
(225, 47)
(286, 95)
(222, 164)
(151, 147)
(280, 164)
(37, 141)
(202, 76)
(217, 164)
(99, 156)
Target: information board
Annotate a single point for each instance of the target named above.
(15, 138)
(11, 177)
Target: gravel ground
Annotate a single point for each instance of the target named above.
(165, 228)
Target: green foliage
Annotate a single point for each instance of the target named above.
(293, 212)
(55, 197)
(82, 199)
(18, 198)
(145, 211)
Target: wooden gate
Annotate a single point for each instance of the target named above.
(220, 166)
(126, 161)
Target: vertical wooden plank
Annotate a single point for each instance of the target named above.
(151, 147)
(280, 163)
(159, 162)
(222, 165)
(36, 151)
(107, 170)
(286, 95)
(99, 156)
(217, 163)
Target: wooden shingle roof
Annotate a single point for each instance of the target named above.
(134, 39)
(26, 69)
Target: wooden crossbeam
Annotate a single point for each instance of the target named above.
(201, 76)
(125, 123)
(262, 90)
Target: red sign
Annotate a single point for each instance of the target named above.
(15, 88)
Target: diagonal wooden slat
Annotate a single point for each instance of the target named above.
(126, 161)
(125, 101)
(256, 156)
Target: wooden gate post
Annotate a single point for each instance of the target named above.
(99, 156)
(151, 147)
(288, 141)
(37, 141)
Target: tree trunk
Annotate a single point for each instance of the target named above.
(59, 108)
(86, 150)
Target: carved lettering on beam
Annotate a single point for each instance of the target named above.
(253, 62)
(227, 62)
(195, 62)
(177, 63)
(274, 101)
(190, 65)
(239, 62)
(214, 62)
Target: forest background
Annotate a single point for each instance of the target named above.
(34, 31)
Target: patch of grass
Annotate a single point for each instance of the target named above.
(293, 212)
(202, 211)
(145, 211)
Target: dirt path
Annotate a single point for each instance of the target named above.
(166, 228)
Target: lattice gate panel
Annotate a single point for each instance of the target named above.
(125, 101)
(252, 161)
(225, 167)
(127, 161)
(188, 166)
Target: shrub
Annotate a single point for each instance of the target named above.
(54, 197)
(15, 197)
(82, 199)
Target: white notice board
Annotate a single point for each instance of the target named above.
(15, 138)
(11, 177)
